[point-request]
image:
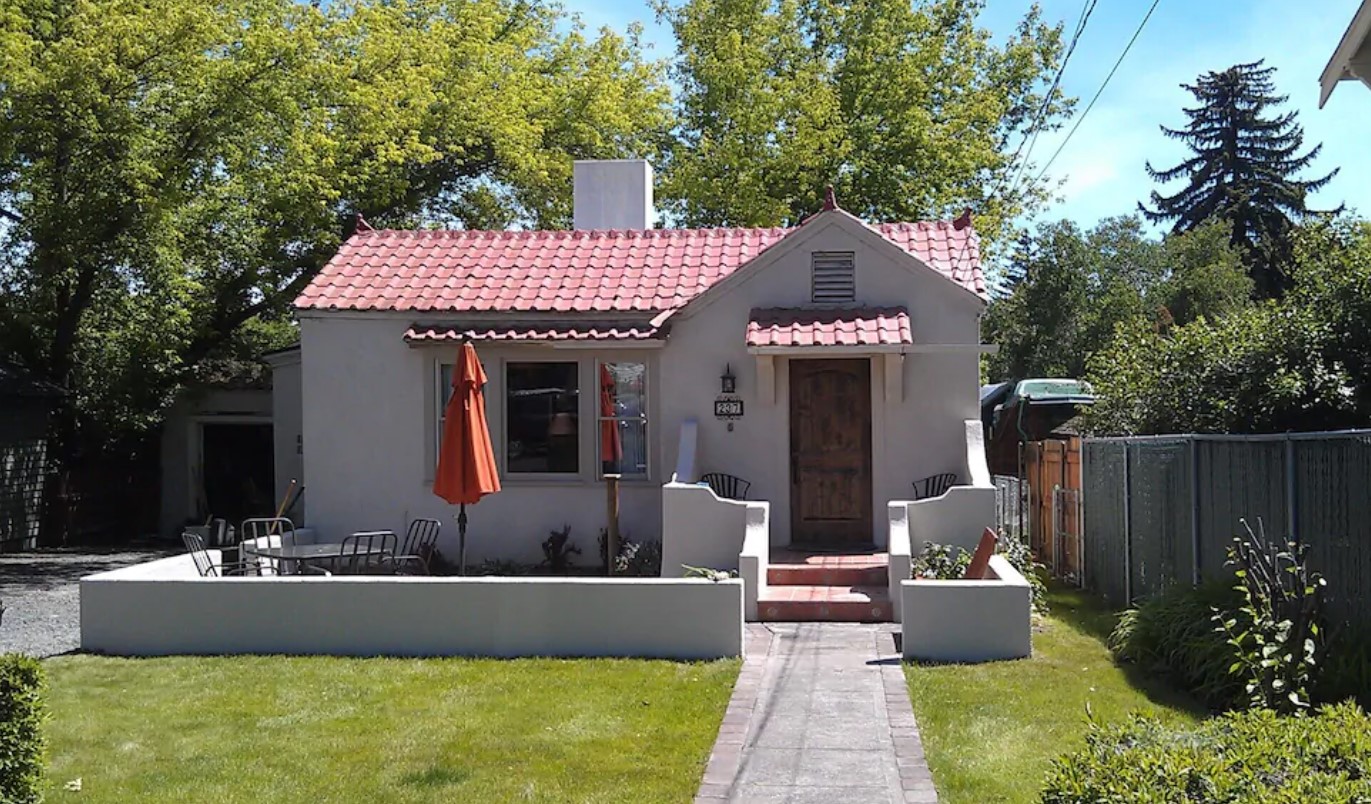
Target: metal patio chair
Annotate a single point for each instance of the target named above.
(726, 486)
(205, 565)
(414, 555)
(280, 528)
(934, 485)
(367, 552)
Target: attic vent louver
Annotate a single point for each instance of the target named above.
(834, 277)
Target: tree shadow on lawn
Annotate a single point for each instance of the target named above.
(1092, 617)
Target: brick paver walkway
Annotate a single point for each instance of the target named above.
(820, 714)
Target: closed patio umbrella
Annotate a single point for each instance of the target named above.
(466, 463)
(611, 448)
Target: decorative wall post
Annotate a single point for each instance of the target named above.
(612, 530)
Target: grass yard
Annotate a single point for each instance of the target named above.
(991, 731)
(256, 729)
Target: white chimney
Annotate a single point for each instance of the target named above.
(612, 194)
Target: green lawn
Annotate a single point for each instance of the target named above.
(990, 731)
(318, 729)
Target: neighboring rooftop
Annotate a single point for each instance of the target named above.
(1352, 59)
(15, 381)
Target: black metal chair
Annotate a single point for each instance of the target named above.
(726, 486)
(205, 565)
(934, 485)
(414, 555)
(368, 552)
(268, 526)
(280, 528)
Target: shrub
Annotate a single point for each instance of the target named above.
(1277, 634)
(1020, 557)
(21, 737)
(646, 561)
(1172, 634)
(944, 562)
(941, 562)
(502, 568)
(1253, 757)
(1347, 670)
(558, 549)
(636, 559)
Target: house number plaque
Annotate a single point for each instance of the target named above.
(728, 408)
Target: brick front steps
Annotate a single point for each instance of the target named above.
(826, 587)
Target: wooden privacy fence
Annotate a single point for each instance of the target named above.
(1164, 509)
(1052, 469)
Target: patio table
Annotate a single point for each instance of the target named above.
(292, 556)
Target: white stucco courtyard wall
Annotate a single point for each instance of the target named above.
(958, 517)
(968, 621)
(164, 608)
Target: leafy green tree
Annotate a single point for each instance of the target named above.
(1257, 370)
(1243, 170)
(1038, 326)
(1333, 279)
(172, 172)
(1206, 276)
(909, 109)
(1075, 288)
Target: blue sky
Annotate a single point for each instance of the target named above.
(1102, 167)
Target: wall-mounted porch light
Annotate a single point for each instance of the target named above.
(727, 382)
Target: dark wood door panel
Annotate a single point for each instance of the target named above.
(830, 451)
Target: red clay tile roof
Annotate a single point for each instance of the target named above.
(857, 326)
(586, 331)
(576, 271)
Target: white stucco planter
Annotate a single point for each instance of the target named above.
(968, 621)
(164, 607)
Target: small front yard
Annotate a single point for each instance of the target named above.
(992, 730)
(256, 729)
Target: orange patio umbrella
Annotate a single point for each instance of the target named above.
(466, 462)
(611, 448)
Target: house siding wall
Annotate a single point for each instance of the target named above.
(23, 469)
(370, 405)
(287, 430)
(181, 445)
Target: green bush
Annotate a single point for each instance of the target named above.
(1347, 669)
(21, 736)
(940, 562)
(1173, 634)
(1278, 634)
(1020, 557)
(944, 562)
(1252, 757)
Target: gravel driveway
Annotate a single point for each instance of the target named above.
(40, 592)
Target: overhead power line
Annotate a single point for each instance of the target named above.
(1031, 133)
(1030, 136)
(1080, 119)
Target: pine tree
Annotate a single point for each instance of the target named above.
(1243, 172)
(1014, 271)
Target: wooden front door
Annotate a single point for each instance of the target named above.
(830, 452)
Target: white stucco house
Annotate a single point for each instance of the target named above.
(830, 365)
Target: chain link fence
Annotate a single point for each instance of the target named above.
(1012, 508)
(1164, 509)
